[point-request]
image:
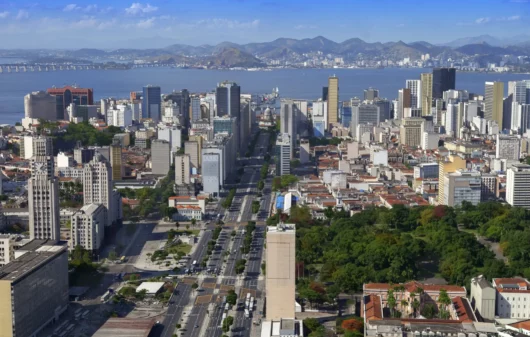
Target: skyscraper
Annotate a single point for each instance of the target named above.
(426, 93)
(160, 161)
(152, 103)
(280, 278)
(97, 186)
(227, 98)
(518, 186)
(443, 79)
(283, 158)
(195, 109)
(493, 98)
(333, 100)
(325, 91)
(404, 102)
(182, 169)
(415, 93)
(43, 192)
(40, 104)
(288, 120)
(116, 161)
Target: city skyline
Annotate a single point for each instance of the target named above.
(154, 24)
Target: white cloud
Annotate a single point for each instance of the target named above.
(482, 20)
(137, 8)
(225, 23)
(147, 23)
(22, 14)
(71, 7)
(4, 15)
(302, 27)
(400, 25)
(514, 18)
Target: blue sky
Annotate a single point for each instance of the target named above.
(156, 23)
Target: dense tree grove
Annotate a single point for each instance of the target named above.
(402, 244)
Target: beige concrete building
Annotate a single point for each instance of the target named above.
(192, 149)
(493, 98)
(333, 100)
(182, 169)
(33, 289)
(453, 164)
(462, 186)
(280, 277)
(483, 298)
(411, 131)
(426, 93)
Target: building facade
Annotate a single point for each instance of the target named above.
(462, 186)
(97, 187)
(33, 289)
(443, 79)
(494, 94)
(160, 160)
(40, 104)
(518, 186)
(67, 95)
(152, 103)
(333, 100)
(283, 158)
(88, 227)
(182, 169)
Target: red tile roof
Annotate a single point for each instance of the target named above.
(463, 310)
(373, 308)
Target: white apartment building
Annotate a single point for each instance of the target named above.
(120, 116)
(283, 154)
(211, 172)
(415, 93)
(97, 186)
(7, 249)
(508, 147)
(88, 227)
(518, 186)
(482, 297)
(513, 297)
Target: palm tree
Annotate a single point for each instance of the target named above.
(404, 304)
(444, 301)
(391, 300)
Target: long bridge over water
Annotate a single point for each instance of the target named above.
(21, 68)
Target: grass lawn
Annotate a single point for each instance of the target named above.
(181, 247)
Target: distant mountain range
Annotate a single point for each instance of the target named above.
(228, 54)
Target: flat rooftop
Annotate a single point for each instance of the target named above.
(38, 253)
(125, 327)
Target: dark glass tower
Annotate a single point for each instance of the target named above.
(152, 103)
(443, 79)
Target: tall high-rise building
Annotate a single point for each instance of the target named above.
(518, 186)
(363, 114)
(288, 121)
(493, 98)
(426, 93)
(244, 127)
(33, 289)
(415, 93)
(88, 227)
(182, 169)
(345, 114)
(227, 98)
(333, 100)
(160, 161)
(280, 277)
(305, 154)
(283, 154)
(195, 109)
(116, 161)
(411, 132)
(453, 164)
(40, 104)
(443, 79)
(520, 91)
(325, 91)
(319, 117)
(43, 192)
(384, 109)
(404, 102)
(370, 94)
(192, 149)
(67, 95)
(182, 100)
(211, 172)
(97, 186)
(152, 103)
